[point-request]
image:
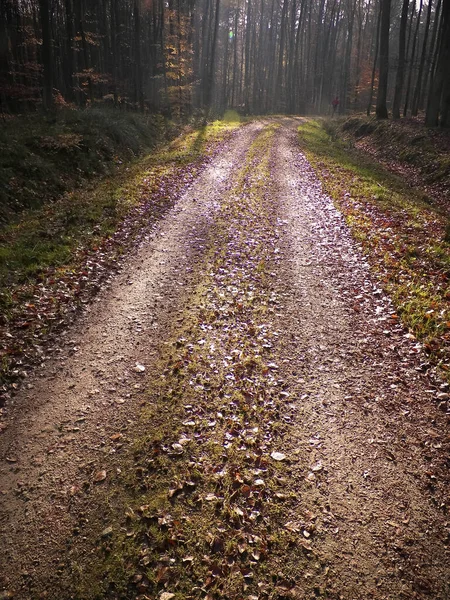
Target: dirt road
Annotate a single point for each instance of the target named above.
(239, 415)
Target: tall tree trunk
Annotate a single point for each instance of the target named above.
(418, 89)
(279, 81)
(375, 61)
(438, 109)
(400, 76)
(46, 54)
(139, 94)
(212, 62)
(115, 48)
(411, 62)
(235, 56)
(68, 58)
(381, 109)
(431, 54)
(224, 95)
(247, 55)
(5, 67)
(167, 110)
(350, 9)
(358, 54)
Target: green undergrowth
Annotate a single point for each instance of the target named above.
(55, 258)
(43, 157)
(50, 237)
(206, 496)
(404, 141)
(404, 236)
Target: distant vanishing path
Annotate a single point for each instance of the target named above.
(262, 335)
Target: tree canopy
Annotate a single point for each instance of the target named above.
(180, 57)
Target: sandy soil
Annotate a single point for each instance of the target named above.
(367, 425)
(368, 416)
(60, 424)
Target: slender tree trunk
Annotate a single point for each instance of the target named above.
(167, 106)
(431, 54)
(280, 69)
(411, 63)
(68, 58)
(46, 54)
(235, 56)
(139, 94)
(226, 42)
(358, 55)
(318, 57)
(212, 63)
(418, 89)
(438, 109)
(400, 76)
(327, 67)
(375, 61)
(247, 66)
(114, 50)
(381, 109)
(347, 57)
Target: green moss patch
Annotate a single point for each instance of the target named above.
(54, 258)
(207, 489)
(403, 234)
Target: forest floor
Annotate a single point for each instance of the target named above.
(239, 413)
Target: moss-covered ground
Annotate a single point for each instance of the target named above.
(401, 230)
(206, 493)
(52, 258)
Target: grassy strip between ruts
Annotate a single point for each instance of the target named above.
(54, 258)
(206, 488)
(403, 236)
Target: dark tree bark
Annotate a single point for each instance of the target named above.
(411, 61)
(247, 55)
(418, 89)
(226, 43)
(350, 13)
(431, 63)
(235, 56)
(46, 55)
(281, 51)
(400, 76)
(381, 109)
(69, 56)
(375, 61)
(139, 94)
(212, 60)
(438, 109)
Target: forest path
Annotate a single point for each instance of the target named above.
(282, 441)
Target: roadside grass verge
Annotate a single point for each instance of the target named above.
(404, 236)
(54, 258)
(405, 144)
(207, 495)
(44, 157)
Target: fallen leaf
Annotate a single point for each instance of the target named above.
(177, 449)
(99, 476)
(107, 532)
(278, 456)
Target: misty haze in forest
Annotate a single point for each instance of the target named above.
(188, 57)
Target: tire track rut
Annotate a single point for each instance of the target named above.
(372, 440)
(61, 422)
(363, 513)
